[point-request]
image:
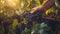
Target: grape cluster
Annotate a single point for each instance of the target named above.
(31, 17)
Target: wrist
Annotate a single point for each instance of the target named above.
(42, 9)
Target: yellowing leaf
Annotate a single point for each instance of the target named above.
(49, 11)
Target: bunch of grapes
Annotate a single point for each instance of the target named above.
(31, 17)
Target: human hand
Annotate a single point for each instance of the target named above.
(35, 9)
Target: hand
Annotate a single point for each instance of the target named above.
(39, 8)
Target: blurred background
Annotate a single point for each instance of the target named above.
(9, 8)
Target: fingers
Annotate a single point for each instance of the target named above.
(36, 9)
(33, 10)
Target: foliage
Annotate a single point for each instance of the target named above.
(7, 8)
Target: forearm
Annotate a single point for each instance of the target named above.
(46, 5)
